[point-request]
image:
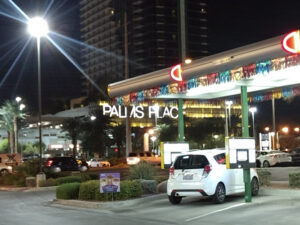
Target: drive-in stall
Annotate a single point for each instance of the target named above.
(261, 71)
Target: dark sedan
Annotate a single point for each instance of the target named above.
(295, 154)
(58, 164)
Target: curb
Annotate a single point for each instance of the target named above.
(27, 189)
(279, 192)
(108, 205)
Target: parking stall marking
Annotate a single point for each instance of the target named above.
(220, 210)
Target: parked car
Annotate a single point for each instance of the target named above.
(272, 158)
(136, 157)
(58, 164)
(204, 173)
(5, 166)
(98, 163)
(295, 155)
(4, 169)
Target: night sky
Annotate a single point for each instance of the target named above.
(232, 23)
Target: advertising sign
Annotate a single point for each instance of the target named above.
(172, 150)
(241, 153)
(109, 182)
(291, 42)
(265, 141)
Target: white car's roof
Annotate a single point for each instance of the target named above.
(205, 151)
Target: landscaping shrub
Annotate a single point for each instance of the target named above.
(68, 179)
(149, 186)
(294, 180)
(88, 190)
(90, 176)
(143, 170)
(18, 178)
(264, 177)
(129, 189)
(29, 168)
(160, 179)
(68, 191)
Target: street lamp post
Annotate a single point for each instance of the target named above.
(253, 110)
(38, 28)
(20, 107)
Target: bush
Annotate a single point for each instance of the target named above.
(143, 170)
(264, 177)
(149, 186)
(68, 179)
(91, 176)
(90, 190)
(68, 191)
(29, 168)
(129, 189)
(294, 180)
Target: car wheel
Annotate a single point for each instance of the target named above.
(266, 164)
(3, 172)
(254, 186)
(258, 164)
(83, 169)
(175, 200)
(220, 194)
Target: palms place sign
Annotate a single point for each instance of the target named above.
(139, 112)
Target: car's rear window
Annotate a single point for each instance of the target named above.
(132, 154)
(148, 154)
(191, 162)
(220, 158)
(142, 154)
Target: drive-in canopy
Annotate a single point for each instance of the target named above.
(260, 66)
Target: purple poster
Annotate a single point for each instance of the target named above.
(109, 182)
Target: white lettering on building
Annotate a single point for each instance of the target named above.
(138, 111)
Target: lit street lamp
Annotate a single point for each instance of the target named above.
(253, 110)
(38, 28)
(153, 139)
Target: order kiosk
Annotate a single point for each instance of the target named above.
(240, 153)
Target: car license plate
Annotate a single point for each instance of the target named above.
(188, 176)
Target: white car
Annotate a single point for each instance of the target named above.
(204, 173)
(98, 163)
(272, 158)
(137, 157)
(4, 169)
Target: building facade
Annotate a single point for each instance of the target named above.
(147, 31)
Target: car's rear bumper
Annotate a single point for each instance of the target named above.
(188, 192)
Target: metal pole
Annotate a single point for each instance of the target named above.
(245, 131)
(226, 121)
(253, 128)
(229, 116)
(39, 100)
(276, 140)
(128, 125)
(183, 56)
(180, 120)
(182, 29)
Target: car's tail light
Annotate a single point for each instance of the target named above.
(206, 170)
(49, 162)
(171, 170)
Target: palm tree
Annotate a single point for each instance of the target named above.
(10, 112)
(72, 126)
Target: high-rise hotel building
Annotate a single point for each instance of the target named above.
(148, 29)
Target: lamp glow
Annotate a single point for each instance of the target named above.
(38, 27)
